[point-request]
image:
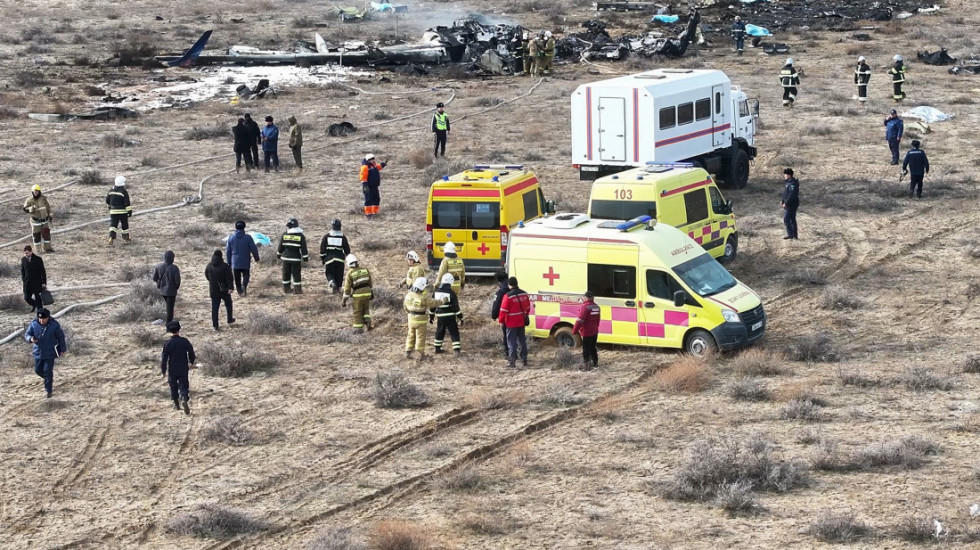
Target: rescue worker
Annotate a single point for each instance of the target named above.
(502, 289)
(240, 250)
(243, 146)
(417, 305)
(254, 138)
(34, 277)
(415, 268)
(526, 55)
(862, 76)
(916, 164)
(452, 263)
(220, 283)
(270, 144)
(370, 184)
(587, 326)
(738, 34)
(517, 47)
(898, 78)
(41, 216)
(120, 210)
(549, 52)
(357, 287)
(447, 313)
(296, 143)
(894, 130)
(534, 53)
(292, 251)
(167, 278)
(175, 361)
(49, 344)
(514, 311)
(789, 79)
(790, 203)
(333, 249)
(440, 127)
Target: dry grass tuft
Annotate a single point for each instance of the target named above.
(566, 359)
(12, 302)
(91, 177)
(420, 158)
(227, 429)
(560, 395)
(801, 409)
(265, 322)
(487, 523)
(972, 364)
(225, 212)
(486, 400)
(851, 377)
(465, 478)
(337, 539)
(839, 527)
(686, 375)
(144, 303)
(749, 389)
(918, 529)
(758, 362)
(146, 337)
(214, 522)
(814, 348)
(225, 361)
(908, 453)
(924, 379)
(398, 535)
(212, 131)
(838, 298)
(393, 390)
(8, 269)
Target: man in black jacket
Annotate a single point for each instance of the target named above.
(220, 283)
(254, 138)
(167, 278)
(243, 146)
(178, 354)
(333, 249)
(916, 163)
(790, 203)
(35, 278)
(120, 210)
(501, 278)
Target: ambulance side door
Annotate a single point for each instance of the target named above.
(663, 324)
(699, 219)
(612, 275)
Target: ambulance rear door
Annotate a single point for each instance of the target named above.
(612, 275)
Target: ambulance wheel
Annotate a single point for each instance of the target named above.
(700, 343)
(738, 172)
(731, 249)
(565, 338)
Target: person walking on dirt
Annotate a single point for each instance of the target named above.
(240, 250)
(514, 310)
(35, 278)
(254, 138)
(270, 144)
(738, 35)
(175, 363)
(916, 164)
(448, 314)
(293, 253)
(49, 344)
(371, 185)
(790, 203)
(498, 298)
(220, 283)
(243, 146)
(296, 143)
(789, 79)
(587, 326)
(39, 209)
(167, 278)
(862, 77)
(333, 249)
(358, 287)
(120, 210)
(417, 305)
(894, 130)
(415, 268)
(440, 128)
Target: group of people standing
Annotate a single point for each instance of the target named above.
(536, 54)
(249, 137)
(789, 79)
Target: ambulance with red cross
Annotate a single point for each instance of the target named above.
(655, 285)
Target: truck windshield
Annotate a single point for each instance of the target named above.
(622, 210)
(705, 276)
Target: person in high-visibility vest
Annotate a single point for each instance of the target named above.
(415, 268)
(898, 78)
(117, 199)
(452, 263)
(417, 305)
(862, 76)
(357, 287)
(549, 52)
(440, 127)
(789, 79)
(38, 208)
(293, 253)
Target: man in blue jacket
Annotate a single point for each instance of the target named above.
(49, 343)
(177, 357)
(894, 128)
(270, 144)
(240, 251)
(916, 164)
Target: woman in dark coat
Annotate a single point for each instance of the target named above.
(242, 146)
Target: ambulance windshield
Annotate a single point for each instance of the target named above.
(705, 276)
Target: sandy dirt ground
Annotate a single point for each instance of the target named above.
(538, 458)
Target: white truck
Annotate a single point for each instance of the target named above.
(664, 115)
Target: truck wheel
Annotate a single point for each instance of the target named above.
(700, 343)
(565, 338)
(731, 249)
(738, 171)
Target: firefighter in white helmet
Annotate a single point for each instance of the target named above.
(789, 79)
(357, 287)
(448, 314)
(417, 304)
(862, 76)
(415, 268)
(452, 263)
(898, 78)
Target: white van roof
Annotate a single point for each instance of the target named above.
(666, 81)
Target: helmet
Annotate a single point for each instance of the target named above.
(368, 157)
(789, 61)
(861, 59)
(448, 279)
(897, 58)
(449, 248)
(547, 34)
(351, 260)
(292, 222)
(419, 284)
(527, 35)
(36, 188)
(335, 224)
(737, 18)
(120, 181)
(413, 255)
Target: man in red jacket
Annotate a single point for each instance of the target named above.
(514, 310)
(587, 326)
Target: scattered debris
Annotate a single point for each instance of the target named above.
(662, 18)
(385, 7)
(99, 113)
(755, 30)
(348, 13)
(629, 6)
(776, 47)
(261, 89)
(970, 69)
(928, 114)
(815, 14)
(341, 129)
(941, 57)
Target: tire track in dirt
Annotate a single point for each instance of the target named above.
(157, 491)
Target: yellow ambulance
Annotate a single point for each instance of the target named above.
(476, 210)
(677, 194)
(655, 286)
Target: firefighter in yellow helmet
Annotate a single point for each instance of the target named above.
(452, 263)
(41, 215)
(415, 269)
(417, 305)
(357, 287)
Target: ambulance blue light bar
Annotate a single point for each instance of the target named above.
(635, 222)
(671, 164)
(499, 167)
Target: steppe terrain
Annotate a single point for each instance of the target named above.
(859, 409)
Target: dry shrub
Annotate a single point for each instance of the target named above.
(227, 429)
(225, 212)
(486, 337)
(213, 131)
(749, 389)
(837, 297)
(465, 478)
(337, 539)
(611, 409)
(485, 400)
(265, 322)
(8, 269)
(12, 302)
(440, 168)
(758, 362)
(8, 112)
(346, 335)
(420, 158)
(814, 348)
(915, 529)
(806, 277)
(385, 297)
(393, 390)
(147, 337)
(52, 405)
(924, 379)
(144, 303)
(839, 527)
(972, 364)
(566, 359)
(225, 361)
(487, 523)
(398, 535)
(851, 377)
(130, 272)
(91, 177)
(737, 498)
(214, 522)
(686, 375)
(559, 394)
(908, 453)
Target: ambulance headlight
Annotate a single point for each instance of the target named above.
(730, 316)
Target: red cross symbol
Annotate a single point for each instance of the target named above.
(483, 249)
(551, 276)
